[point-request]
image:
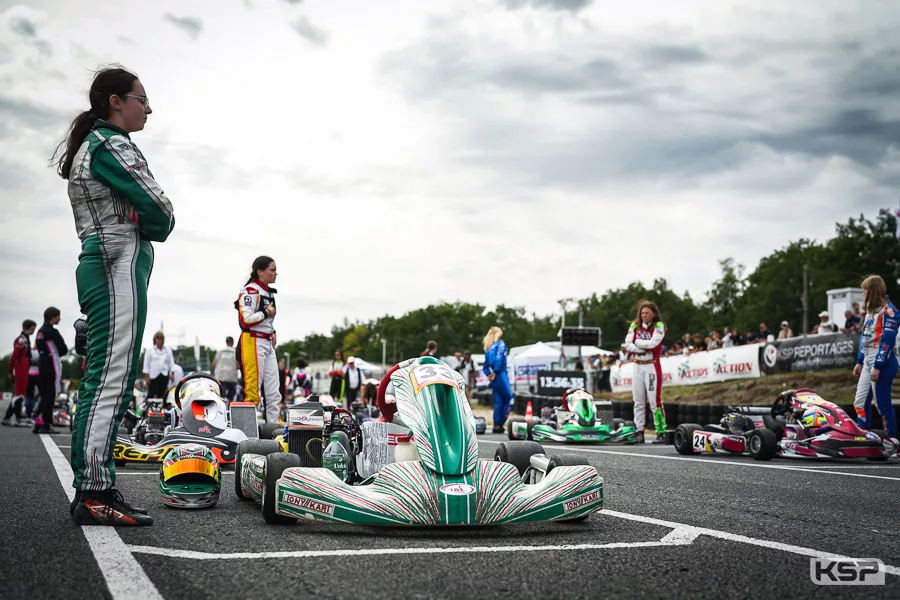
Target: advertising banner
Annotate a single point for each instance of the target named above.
(811, 353)
(739, 362)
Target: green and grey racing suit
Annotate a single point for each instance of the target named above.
(119, 209)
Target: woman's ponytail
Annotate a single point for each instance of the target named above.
(107, 82)
(79, 130)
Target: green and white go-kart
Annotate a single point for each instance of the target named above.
(436, 480)
(575, 421)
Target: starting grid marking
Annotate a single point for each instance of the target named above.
(126, 579)
(681, 535)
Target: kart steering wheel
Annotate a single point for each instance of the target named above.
(781, 406)
(389, 410)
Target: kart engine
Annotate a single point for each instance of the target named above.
(735, 423)
(310, 425)
(152, 428)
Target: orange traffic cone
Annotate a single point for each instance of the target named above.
(529, 411)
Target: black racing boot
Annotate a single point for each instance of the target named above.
(107, 508)
(77, 498)
(639, 437)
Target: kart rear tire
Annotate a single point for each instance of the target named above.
(269, 431)
(882, 434)
(568, 460)
(776, 426)
(509, 427)
(260, 447)
(762, 444)
(518, 454)
(684, 438)
(275, 466)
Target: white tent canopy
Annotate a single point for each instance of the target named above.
(538, 354)
(586, 351)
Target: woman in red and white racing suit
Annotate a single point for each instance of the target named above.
(256, 350)
(644, 343)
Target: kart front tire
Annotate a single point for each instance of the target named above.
(260, 447)
(762, 444)
(509, 427)
(275, 466)
(684, 438)
(518, 454)
(881, 433)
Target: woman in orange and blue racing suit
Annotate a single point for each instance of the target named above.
(876, 363)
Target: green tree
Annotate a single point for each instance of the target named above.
(724, 298)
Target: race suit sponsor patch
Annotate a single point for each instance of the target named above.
(322, 508)
(584, 500)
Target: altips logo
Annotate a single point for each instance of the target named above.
(686, 372)
(722, 366)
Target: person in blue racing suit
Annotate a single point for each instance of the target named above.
(876, 363)
(495, 370)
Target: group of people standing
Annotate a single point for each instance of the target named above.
(36, 372)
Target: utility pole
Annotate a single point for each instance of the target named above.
(533, 328)
(563, 303)
(383, 353)
(805, 298)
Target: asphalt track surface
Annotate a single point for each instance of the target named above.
(672, 527)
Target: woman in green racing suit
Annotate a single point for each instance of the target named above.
(119, 209)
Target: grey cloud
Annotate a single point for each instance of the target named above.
(37, 116)
(663, 55)
(23, 27)
(190, 25)
(570, 5)
(314, 35)
(641, 122)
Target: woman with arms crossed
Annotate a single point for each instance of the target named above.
(256, 315)
(119, 210)
(644, 343)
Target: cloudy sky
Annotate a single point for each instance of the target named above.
(395, 154)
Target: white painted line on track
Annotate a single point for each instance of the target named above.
(353, 552)
(733, 537)
(58, 446)
(751, 463)
(124, 577)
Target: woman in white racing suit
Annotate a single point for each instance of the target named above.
(256, 350)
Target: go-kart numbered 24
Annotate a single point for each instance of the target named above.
(437, 479)
(800, 423)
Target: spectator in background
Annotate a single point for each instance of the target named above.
(727, 339)
(736, 338)
(431, 349)
(19, 362)
(785, 331)
(336, 389)
(466, 368)
(159, 367)
(225, 369)
(714, 342)
(495, 370)
(51, 348)
(825, 325)
(354, 381)
(751, 337)
(857, 312)
(852, 324)
(764, 332)
(697, 343)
